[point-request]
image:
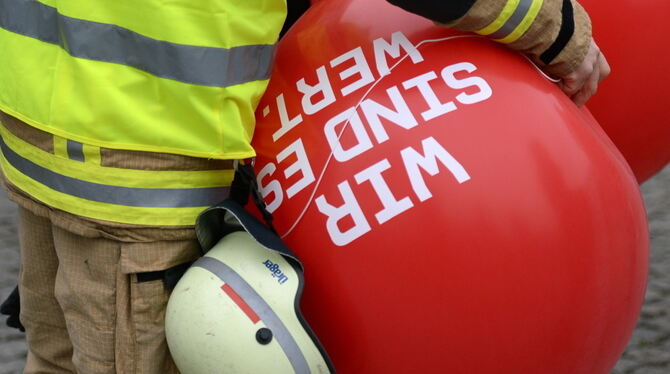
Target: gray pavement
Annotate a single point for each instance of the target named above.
(648, 351)
(12, 345)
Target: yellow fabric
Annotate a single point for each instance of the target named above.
(91, 172)
(116, 106)
(221, 23)
(49, 2)
(506, 13)
(60, 146)
(525, 23)
(119, 177)
(92, 154)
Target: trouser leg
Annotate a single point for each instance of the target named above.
(84, 309)
(147, 306)
(49, 348)
(85, 288)
(116, 323)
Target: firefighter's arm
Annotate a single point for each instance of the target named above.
(556, 34)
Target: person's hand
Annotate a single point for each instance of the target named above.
(582, 83)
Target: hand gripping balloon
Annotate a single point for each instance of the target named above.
(454, 211)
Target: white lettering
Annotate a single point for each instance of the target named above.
(286, 123)
(382, 48)
(392, 207)
(436, 108)
(449, 76)
(360, 67)
(272, 187)
(402, 115)
(352, 120)
(349, 208)
(432, 151)
(322, 87)
(300, 165)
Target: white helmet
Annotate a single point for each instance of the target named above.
(236, 310)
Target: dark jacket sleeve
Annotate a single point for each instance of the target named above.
(295, 9)
(444, 11)
(557, 36)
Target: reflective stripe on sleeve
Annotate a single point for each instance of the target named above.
(502, 19)
(515, 19)
(198, 65)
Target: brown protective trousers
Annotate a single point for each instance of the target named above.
(84, 309)
(81, 303)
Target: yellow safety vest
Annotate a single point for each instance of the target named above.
(181, 77)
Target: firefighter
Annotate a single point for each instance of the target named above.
(120, 122)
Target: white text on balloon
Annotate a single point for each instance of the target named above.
(365, 125)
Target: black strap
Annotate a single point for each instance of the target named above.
(170, 276)
(245, 185)
(150, 276)
(564, 34)
(241, 186)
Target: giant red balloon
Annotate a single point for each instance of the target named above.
(631, 104)
(470, 219)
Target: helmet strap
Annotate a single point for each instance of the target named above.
(244, 185)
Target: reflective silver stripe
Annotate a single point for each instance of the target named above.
(260, 307)
(126, 196)
(207, 66)
(514, 20)
(75, 150)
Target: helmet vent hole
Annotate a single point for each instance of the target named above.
(264, 336)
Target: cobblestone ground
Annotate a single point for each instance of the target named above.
(12, 345)
(648, 351)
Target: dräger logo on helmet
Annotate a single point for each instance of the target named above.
(275, 271)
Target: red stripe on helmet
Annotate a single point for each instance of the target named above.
(241, 303)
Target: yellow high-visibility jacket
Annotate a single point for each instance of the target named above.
(178, 77)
